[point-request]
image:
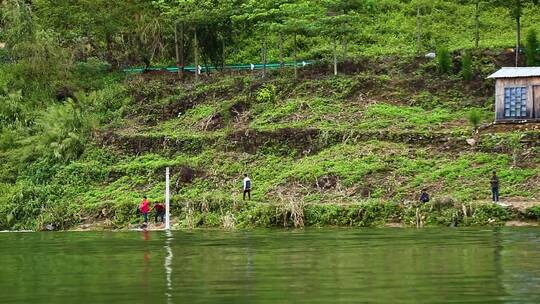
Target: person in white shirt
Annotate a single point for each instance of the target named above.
(247, 187)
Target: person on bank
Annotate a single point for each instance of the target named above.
(494, 187)
(159, 212)
(145, 208)
(424, 196)
(247, 187)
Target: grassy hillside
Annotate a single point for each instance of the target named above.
(81, 142)
(375, 136)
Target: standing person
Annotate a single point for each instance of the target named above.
(494, 187)
(159, 210)
(424, 196)
(247, 187)
(145, 208)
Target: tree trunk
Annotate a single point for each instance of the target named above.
(177, 51)
(294, 56)
(477, 25)
(182, 63)
(223, 54)
(109, 42)
(418, 42)
(264, 56)
(196, 54)
(281, 64)
(335, 56)
(345, 49)
(518, 38)
(206, 64)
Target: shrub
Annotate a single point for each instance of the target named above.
(14, 112)
(4, 56)
(531, 49)
(266, 94)
(444, 60)
(443, 202)
(65, 130)
(466, 66)
(533, 212)
(474, 118)
(488, 214)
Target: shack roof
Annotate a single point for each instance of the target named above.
(516, 72)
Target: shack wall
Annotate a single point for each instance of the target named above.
(533, 108)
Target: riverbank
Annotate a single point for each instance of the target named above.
(322, 150)
(369, 214)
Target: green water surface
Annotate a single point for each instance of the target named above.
(489, 265)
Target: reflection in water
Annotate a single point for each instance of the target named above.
(168, 265)
(146, 264)
(274, 266)
(497, 259)
(249, 266)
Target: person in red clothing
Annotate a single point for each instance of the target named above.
(145, 208)
(159, 210)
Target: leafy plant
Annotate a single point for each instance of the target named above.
(532, 48)
(266, 94)
(444, 60)
(466, 66)
(65, 131)
(474, 116)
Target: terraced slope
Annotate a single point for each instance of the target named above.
(374, 136)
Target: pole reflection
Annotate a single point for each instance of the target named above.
(168, 265)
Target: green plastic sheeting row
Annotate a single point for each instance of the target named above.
(233, 67)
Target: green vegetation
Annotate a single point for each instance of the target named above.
(474, 117)
(81, 142)
(466, 66)
(533, 48)
(444, 60)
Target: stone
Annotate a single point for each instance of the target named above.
(471, 141)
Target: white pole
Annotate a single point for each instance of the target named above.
(167, 201)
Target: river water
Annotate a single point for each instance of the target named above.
(489, 265)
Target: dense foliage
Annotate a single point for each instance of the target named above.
(81, 141)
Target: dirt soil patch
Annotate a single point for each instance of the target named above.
(521, 224)
(510, 127)
(519, 204)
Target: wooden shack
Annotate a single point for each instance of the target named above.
(517, 94)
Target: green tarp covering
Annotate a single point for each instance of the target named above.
(269, 66)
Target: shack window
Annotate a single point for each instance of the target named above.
(515, 102)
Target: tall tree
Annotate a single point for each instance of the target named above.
(477, 25)
(478, 5)
(531, 48)
(192, 14)
(299, 21)
(207, 20)
(123, 32)
(420, 8)
(515, 8)
(339, 22)
(18, 22)
(263, 15)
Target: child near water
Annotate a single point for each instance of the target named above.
(159, 210)
(145, 208)
(424, 196)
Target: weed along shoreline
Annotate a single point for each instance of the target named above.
(251, 215)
